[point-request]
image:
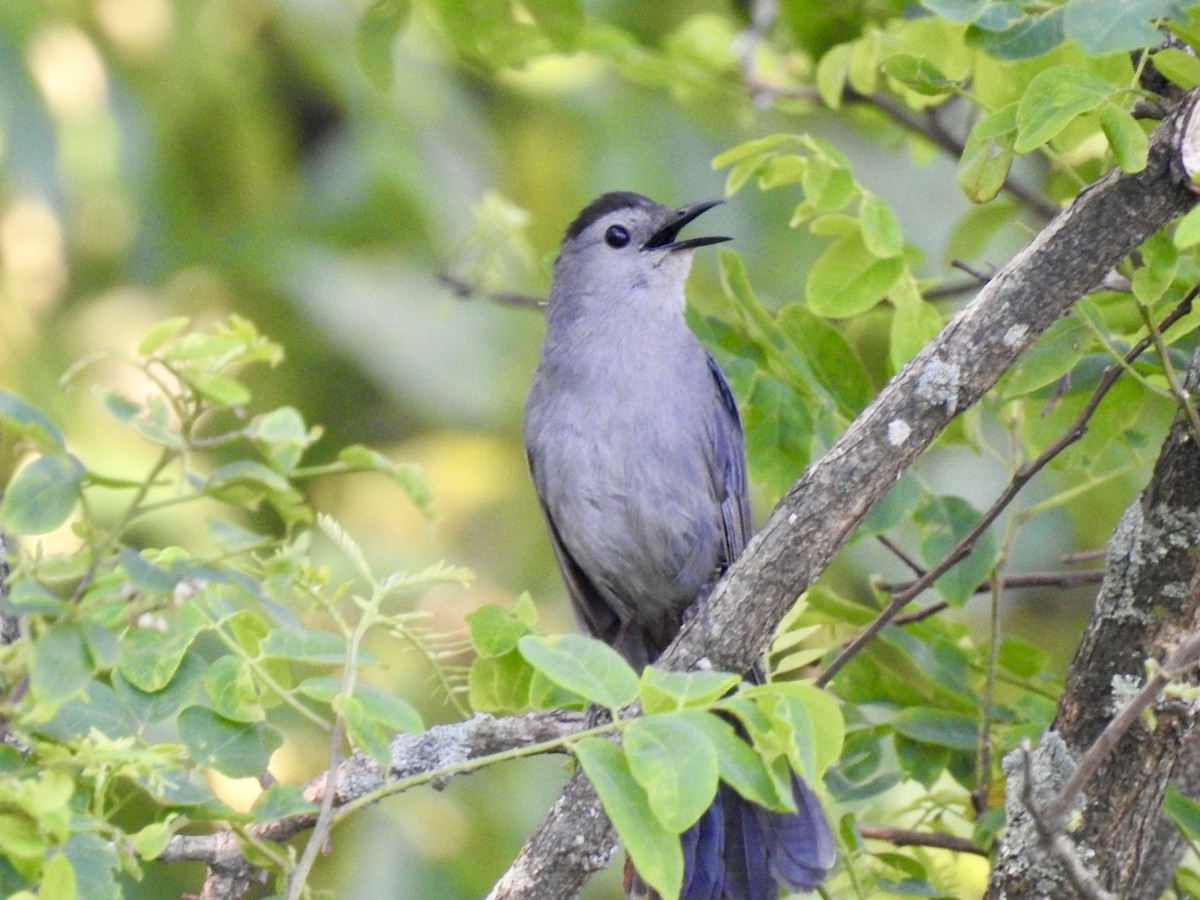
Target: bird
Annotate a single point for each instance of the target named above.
(637, 456)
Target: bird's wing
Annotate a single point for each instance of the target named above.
(727, 467)
(591, 609)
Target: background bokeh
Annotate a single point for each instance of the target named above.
(162, 158)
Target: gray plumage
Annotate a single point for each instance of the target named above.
(636, 452)
(633, 439)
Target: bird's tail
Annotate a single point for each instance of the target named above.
(740, 851)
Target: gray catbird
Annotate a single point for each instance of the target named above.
(636, 452)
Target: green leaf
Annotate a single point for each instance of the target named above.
(148, 707)
(20, 420)
(495, 630)
(95, 863)
(584, 666)
(58, 878)
(917, 73)
(740, 767)
(1101, 26)
(152, 840)
(1160, 262)
(379, 705)
(229, 683)
(42, 494)
(880, 227)
(828, 185)
(245, 482)
(1128, 142)
(1022, 659)
(847, 279)
(60, 668)
(778, 432)
(161, 333)
(914, 323)
(987, 155)
(365, 733)
(827, 727)
(279, 801)
(1178, 66)
(218, 388)
(941, 727)
(1056, 352)
(832, 71)
(863, 73)
(234, 749)
(499, 684)
(1054, 97)
(829, 356)
(655, 851)
(304, 645)
(1027, 37)
(1187, 229)
(407, 477)
(676, 766)
(149, 658)
(757, 149)
(896, 506)
(282, 437)
(392, 712)
(664, 691)
(99, 709)
(944, 521)
(1184, 812)
(375, 38)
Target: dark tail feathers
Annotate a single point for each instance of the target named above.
(740, 851)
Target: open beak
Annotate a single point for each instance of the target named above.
(664, 238)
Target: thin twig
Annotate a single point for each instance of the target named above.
(1083, 556)
(463, 290)
(920, 615)
(904, 837)
(952, 289)
(979, 796)
(1020, 580)
(320, 831)
(1020, 478)
(900, 554)
(980, 277)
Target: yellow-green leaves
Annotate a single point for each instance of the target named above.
(848, 279)
(375, 38)
(1128, 142)
(583, 666)
(1052, 100)
(1178, 66)
(987, 157)
(654, 849)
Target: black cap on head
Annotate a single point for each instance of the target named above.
(606, 203)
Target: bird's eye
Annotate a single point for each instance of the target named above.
(616, 236)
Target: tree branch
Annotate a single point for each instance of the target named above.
(903, 837)
(230, 875)
(821, 511)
